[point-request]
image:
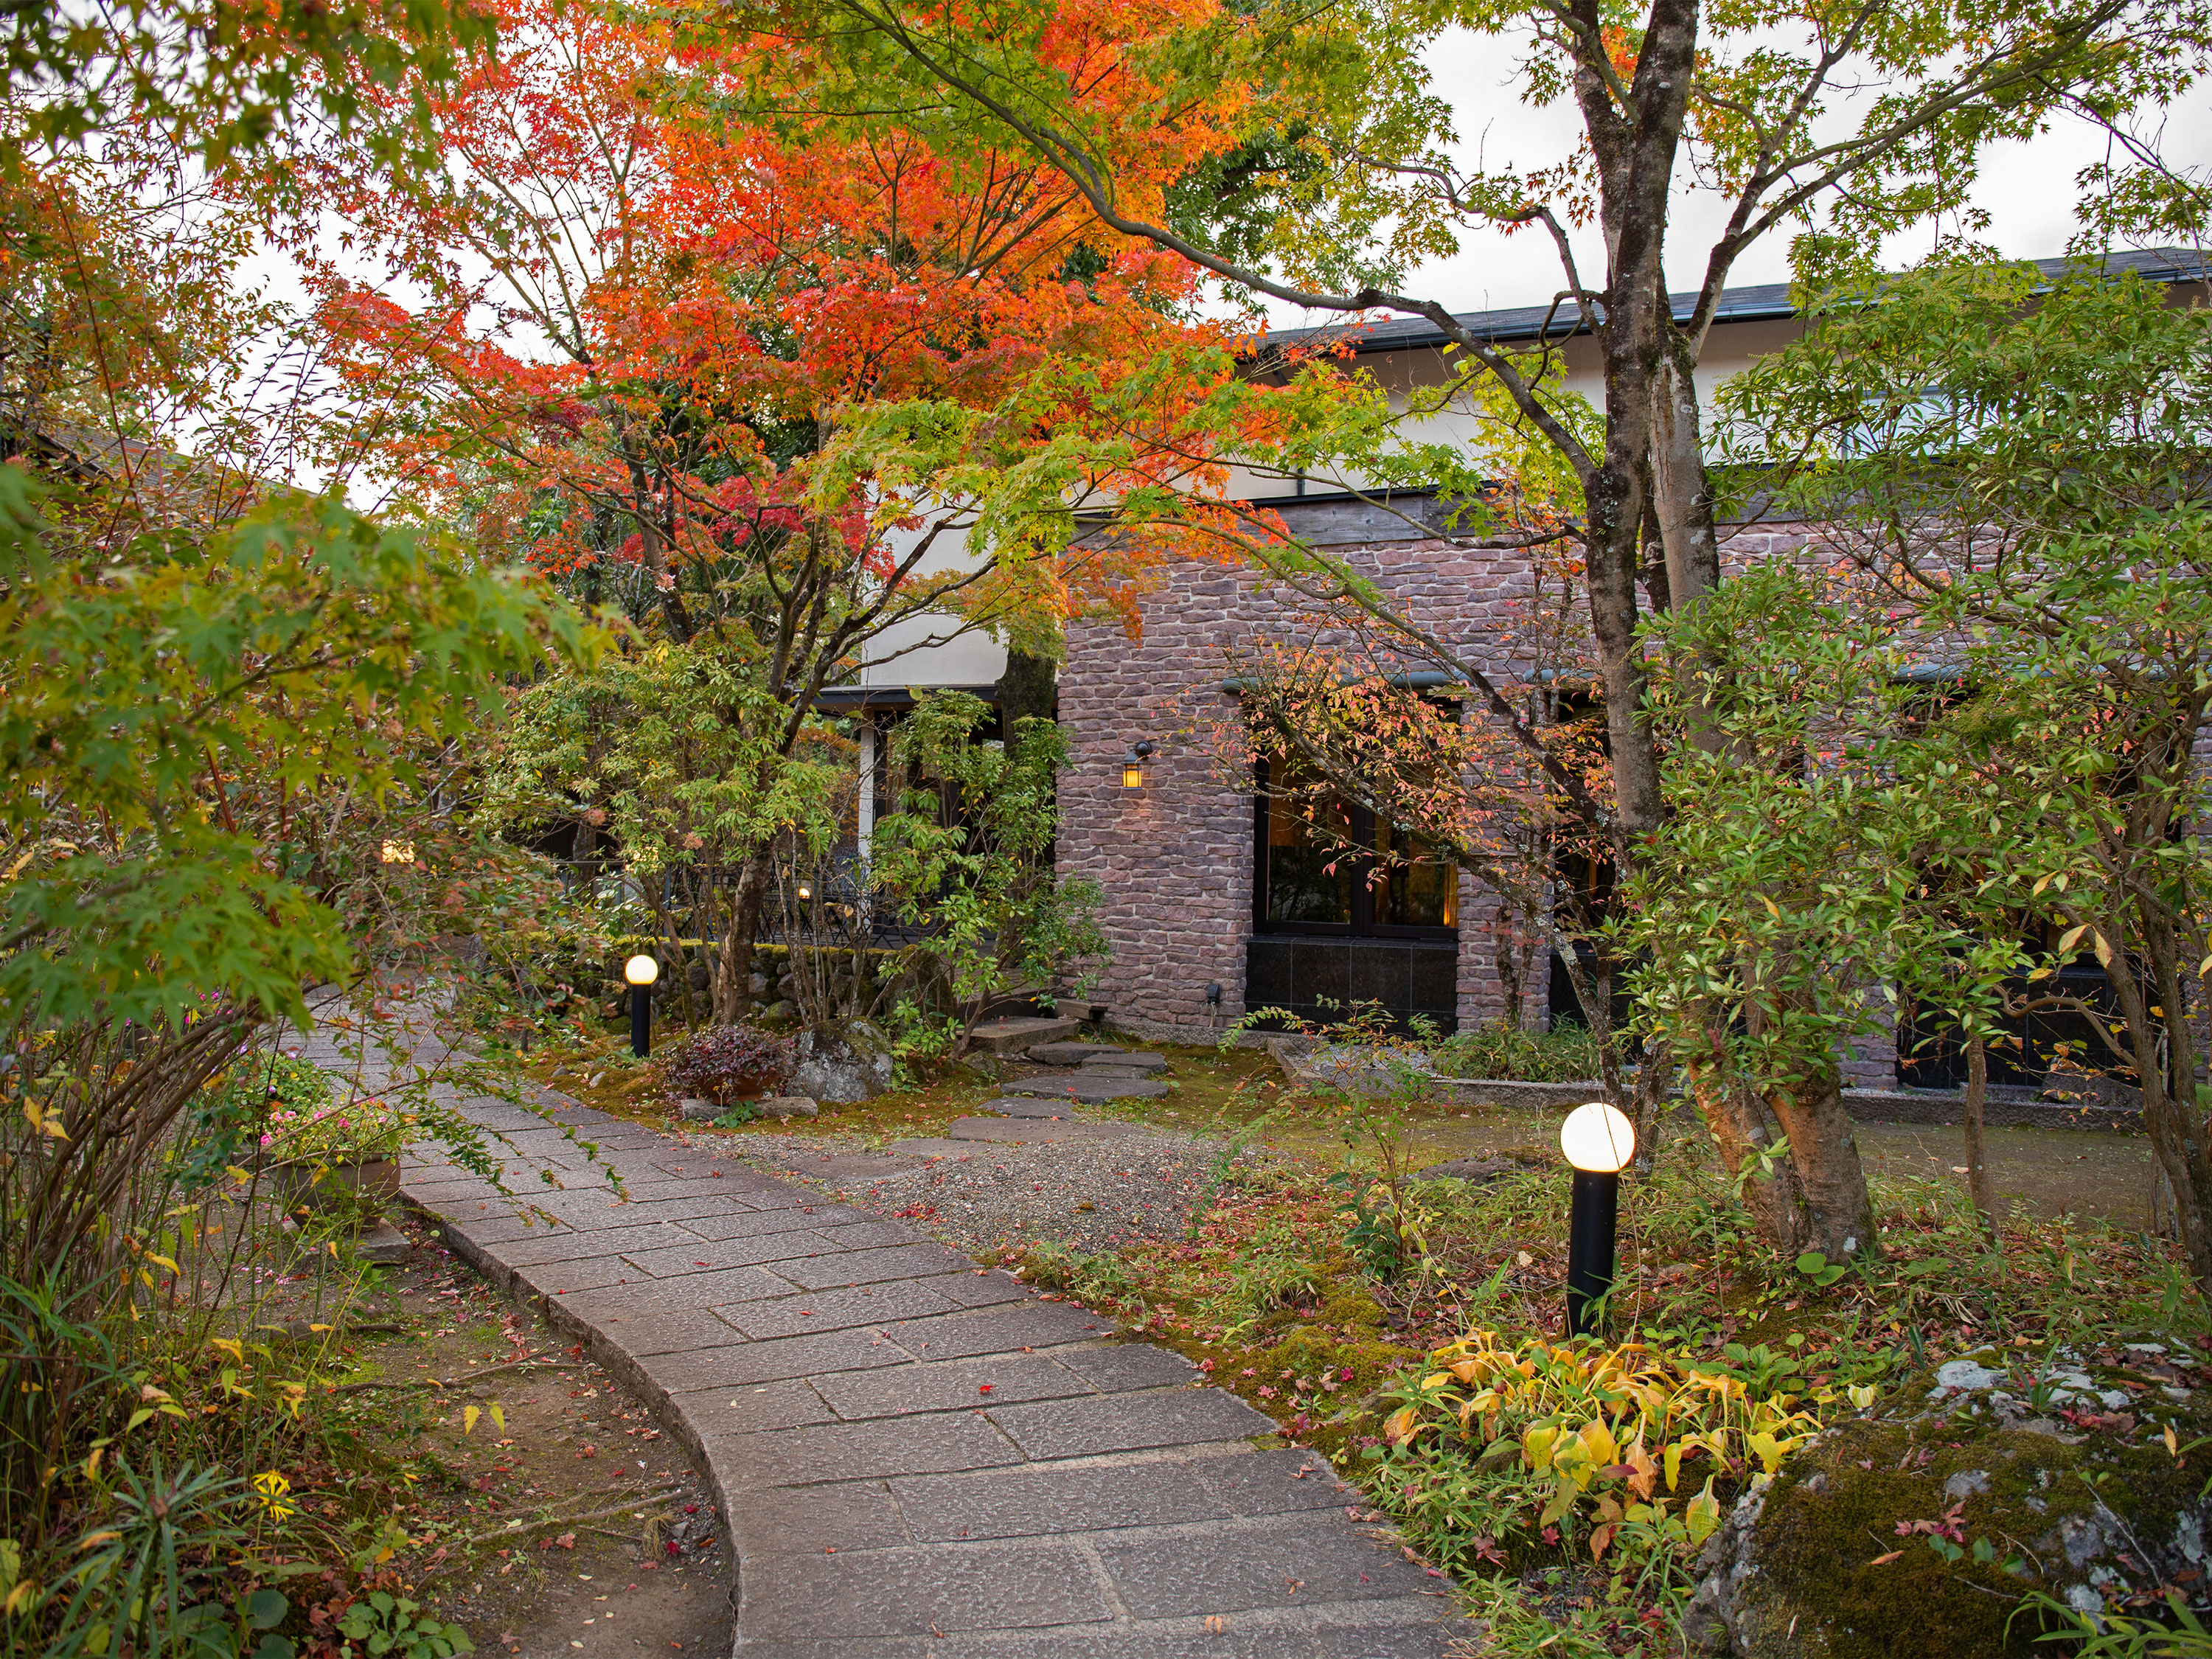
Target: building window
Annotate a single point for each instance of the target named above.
(1317, 859)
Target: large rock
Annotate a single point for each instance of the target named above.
(2067, 1495)
(854, 1064)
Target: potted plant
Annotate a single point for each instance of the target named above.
(315, 1152)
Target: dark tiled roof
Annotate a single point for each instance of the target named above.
(1764, 302)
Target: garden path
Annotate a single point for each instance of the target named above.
(916, 1456)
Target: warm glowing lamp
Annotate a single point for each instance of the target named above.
(641, 971)
(1598, 1141)
(1133, 765)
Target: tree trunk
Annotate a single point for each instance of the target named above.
(1839, 1215)
(1977, 1169)
(1739, 1130)
(1653, 1098)
(733, 964)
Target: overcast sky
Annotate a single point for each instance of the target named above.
(2027, 189)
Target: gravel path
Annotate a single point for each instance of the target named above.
(1089, 1194)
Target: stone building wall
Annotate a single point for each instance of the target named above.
(1173, 858)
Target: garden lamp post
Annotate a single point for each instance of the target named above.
(1598, 1141)
(641, 971)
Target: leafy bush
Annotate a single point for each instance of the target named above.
(1567, 1055)
(290, 1100)
(1501, 1443)
(720, 1063)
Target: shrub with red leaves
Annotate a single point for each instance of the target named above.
(724, 1063)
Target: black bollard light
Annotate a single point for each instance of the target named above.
(1598, 1141)
(641, 971)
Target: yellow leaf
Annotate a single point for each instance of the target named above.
(469, 1415)
(2104, 951)
(230, 1345)
(1701, 1515)
(1768, 1449)
(498, 1417)
(1674, 1460)
(1597, 1440)
(17, 1596)
(92, 1538)
(1536, 1446)
(2066, 939)
(92, 1463)
(2172, 1445)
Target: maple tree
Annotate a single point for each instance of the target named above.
(786, 394)
(1331, 173)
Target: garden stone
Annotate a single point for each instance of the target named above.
(1068, 1054)
(1029, 1106)
(1089, 1090)
(1013, 1036)
(1965, 1374)
(696, 1110)
(779, 1012)
(785, 1106)
(1825, 1557)
(383, 1245)
(757, 985)
(1140, 1063)
(845, 1066)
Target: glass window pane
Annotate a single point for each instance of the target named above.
(1423, 892)
(1301, 885)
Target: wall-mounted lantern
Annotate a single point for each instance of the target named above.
(1133, 765)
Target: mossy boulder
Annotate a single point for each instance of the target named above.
(1918, 1532)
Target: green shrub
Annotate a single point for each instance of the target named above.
(1569, 1054)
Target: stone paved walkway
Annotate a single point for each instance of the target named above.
(918, 1458)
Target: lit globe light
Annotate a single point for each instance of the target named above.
(640, 970)
(1597, 1138)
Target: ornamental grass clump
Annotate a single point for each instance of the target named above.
(724, 1064)
(1502, 1448)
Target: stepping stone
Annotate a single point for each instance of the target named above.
(1124, 1061)
(934, 1146)
(1030, 1106)
(1033, 1131)
(1069, 1053)
(1011, 1036)
(1088, 1089)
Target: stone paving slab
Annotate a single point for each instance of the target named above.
(1088, 1091)
(1111, 1503)
(1029, 1106)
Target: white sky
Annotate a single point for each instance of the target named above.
(2027, 189)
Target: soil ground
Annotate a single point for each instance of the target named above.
(573, 1527)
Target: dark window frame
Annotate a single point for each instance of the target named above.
(1362, 924)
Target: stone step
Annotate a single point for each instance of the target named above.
(1125, 1061)
(1070, 1053)
(1030, 1106)
(1012, 1036)
(1088, 1089)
